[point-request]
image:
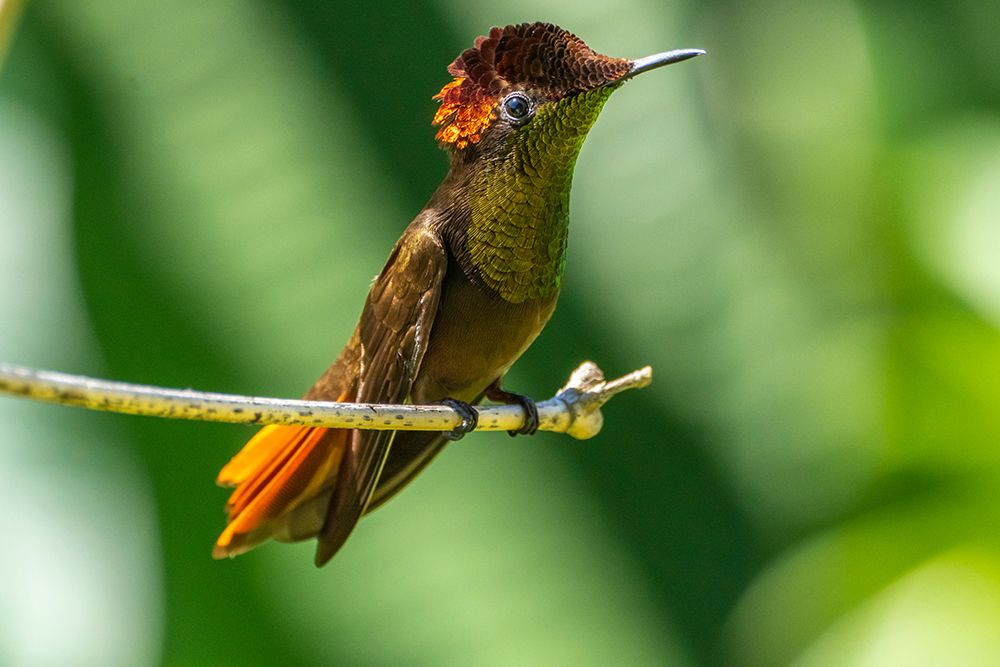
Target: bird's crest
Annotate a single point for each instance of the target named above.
(535, 56)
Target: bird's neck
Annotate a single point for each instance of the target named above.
(519, 224)
(513, 202)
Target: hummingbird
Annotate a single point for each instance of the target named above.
(466, 289)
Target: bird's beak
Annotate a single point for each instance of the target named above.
(659, 60)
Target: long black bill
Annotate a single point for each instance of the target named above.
(659, 60)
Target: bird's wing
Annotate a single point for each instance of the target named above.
(393, 333)
(294, 482)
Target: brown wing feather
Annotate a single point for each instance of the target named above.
(393, 333)
(282, 474)
(411, 452)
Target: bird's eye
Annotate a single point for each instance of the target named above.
(517, 107)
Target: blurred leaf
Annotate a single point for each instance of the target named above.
(944, 612)
(808, 590)
(10, 12)
(797, 231)
(81, 550)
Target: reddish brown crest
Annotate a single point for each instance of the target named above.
(536, 56)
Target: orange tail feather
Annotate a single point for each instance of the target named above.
(280, 470)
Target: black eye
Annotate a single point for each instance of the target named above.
(517, 107)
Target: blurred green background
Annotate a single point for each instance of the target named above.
(800, 232)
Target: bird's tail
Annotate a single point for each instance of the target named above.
(284, 477)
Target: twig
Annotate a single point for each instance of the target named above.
(575, 410)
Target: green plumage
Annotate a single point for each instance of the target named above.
(520, 206)
(467, 288)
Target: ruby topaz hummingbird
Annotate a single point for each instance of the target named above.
(469, 285)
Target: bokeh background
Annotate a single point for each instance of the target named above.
(800, 232)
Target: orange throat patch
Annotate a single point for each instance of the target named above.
(464, 114)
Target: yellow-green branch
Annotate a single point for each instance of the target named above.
(575, 409)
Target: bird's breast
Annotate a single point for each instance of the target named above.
(476, 336)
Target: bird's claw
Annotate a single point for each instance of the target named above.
(531, 416)
(495, 393)
(470, 418)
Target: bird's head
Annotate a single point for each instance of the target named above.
(531, 85)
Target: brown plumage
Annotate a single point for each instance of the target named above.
(535, 55)
(465, 291)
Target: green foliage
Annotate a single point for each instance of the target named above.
(798, 231)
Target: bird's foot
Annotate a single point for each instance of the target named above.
(470, 418)
(498, 395)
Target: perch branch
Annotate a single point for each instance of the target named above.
(575, 409)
